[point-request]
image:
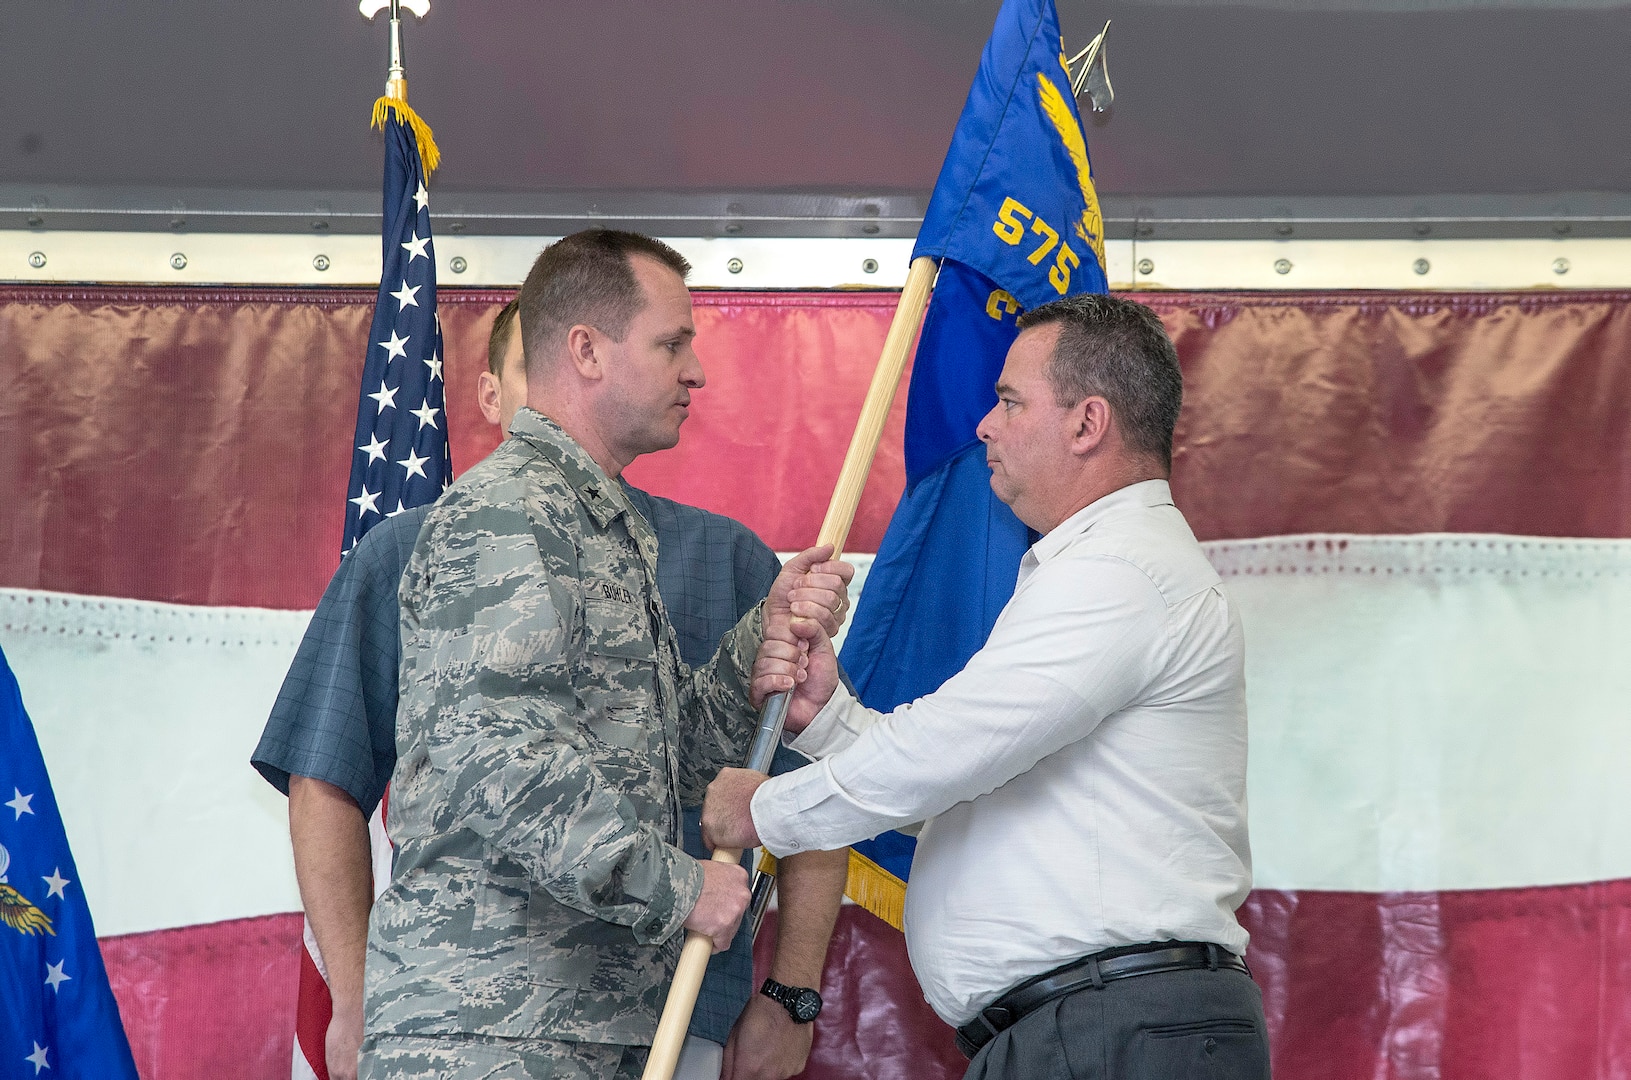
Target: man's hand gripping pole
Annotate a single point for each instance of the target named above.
(846, 496)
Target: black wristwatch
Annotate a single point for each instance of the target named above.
(802, 1003)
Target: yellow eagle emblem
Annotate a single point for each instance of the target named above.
(22, 916)
(15, 909)
(1054, 106)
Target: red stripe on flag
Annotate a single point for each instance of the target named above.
(203, 453)
(313, 1010)
(207, 1002)
(1524, 984)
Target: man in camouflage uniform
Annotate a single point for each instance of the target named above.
(548, 730)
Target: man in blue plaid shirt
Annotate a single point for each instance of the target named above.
(330, 745)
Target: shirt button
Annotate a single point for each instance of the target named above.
(1211, 1045)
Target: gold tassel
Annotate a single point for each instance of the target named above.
(876, 889)
(428, 154)
(869, 885)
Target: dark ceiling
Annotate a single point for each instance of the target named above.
(534, 97)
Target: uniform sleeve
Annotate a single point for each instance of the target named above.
(490, 696)
(334, 718)
(716, 720)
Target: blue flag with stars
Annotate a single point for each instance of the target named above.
(401, 458)
(59, 1018)
(1016, 223)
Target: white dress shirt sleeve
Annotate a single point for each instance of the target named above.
(1081, 637)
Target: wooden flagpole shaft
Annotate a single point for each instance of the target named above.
(880, 396)
(846, 497)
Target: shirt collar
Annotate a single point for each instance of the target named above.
(603, 497)
(1143, 493)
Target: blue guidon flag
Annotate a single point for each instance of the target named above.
(58, 1018)
(1016, 223)
(401, 458)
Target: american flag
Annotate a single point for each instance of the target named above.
(401, 458)
(401, 461)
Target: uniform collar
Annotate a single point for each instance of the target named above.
(602, 496)
(1142, 494)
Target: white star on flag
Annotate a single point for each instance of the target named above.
(397, 398)
(374, 448)
(397, 346)
(426, 414)
(414, 464)
(21, 804)
(366, 501)
(54, 976)
(385, 395)
(55, 883)
(37, 1058)
(405, 298)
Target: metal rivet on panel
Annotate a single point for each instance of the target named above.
(733, 228)
(35, 221)
(1560, 266)
(1282, 266)
(869, 266)
(1421, 266)
(178, 261)
(36, 259)
(870, 229)
(1146, 266)
(1284, 230)
(458, 264)
(320, 263)
(734, 266)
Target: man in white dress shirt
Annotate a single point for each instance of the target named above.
(1083, 778)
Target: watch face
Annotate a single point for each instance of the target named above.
(806, 1006)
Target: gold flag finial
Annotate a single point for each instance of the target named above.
(396, 80)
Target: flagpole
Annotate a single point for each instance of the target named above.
(846, 498)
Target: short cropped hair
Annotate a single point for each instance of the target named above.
(587, 278)
(498, 338)
(1116, 349)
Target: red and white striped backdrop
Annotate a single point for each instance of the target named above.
(1420, 502)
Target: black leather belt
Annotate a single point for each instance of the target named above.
(1094, 971)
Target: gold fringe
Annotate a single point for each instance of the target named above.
(869, 885)
(876, 889)
(428, 154)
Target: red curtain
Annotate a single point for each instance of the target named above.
(192, 445)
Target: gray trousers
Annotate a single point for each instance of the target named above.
(1176, 1025)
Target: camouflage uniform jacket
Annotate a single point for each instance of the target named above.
(546, 735)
